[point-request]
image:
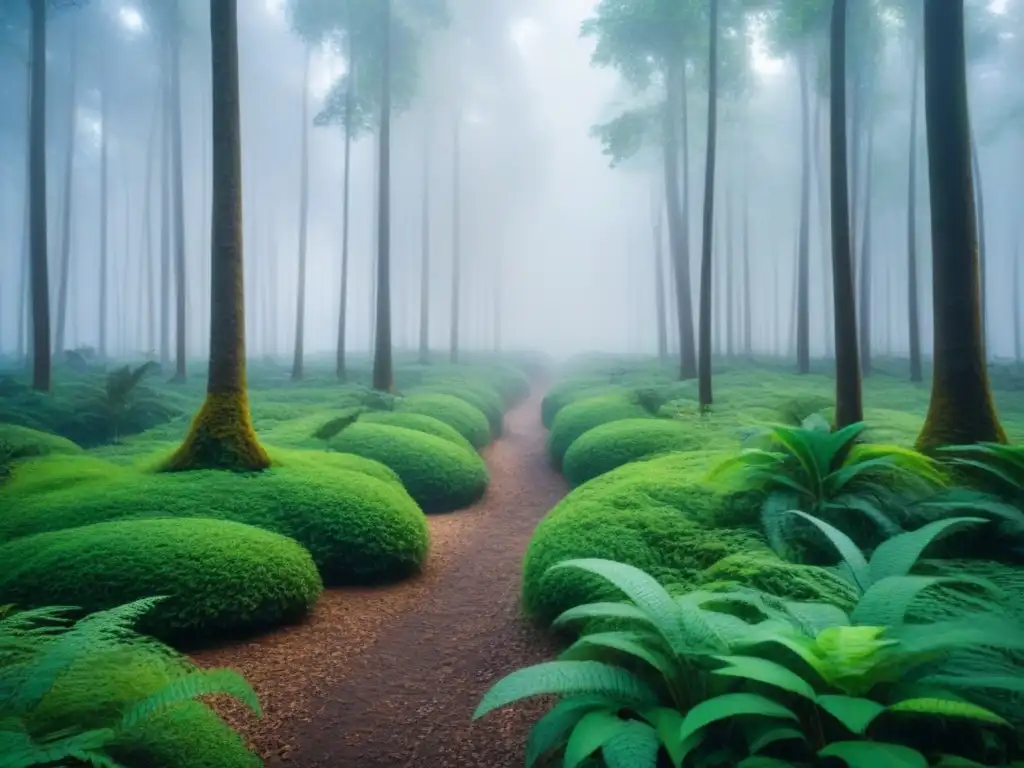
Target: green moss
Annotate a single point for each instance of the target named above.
(765, 571)
(611, 445)
(419, 423)
(474, 391)
(315, 462)
(27, 442)
(470, 422)
(221, 578)
(569, 391)
(439, 475)
(221, 437)
(358, 529)
(583, 415)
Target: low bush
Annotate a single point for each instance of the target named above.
(419, 423)
(611, 445)
(583, 415)
(221, 579)
(470, 422)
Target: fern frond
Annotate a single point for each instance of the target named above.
(190, 687)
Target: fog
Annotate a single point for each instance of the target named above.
(557, 245)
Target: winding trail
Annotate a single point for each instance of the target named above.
(389, 677)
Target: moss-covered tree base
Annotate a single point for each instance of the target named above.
(955, 421)
(221, 437)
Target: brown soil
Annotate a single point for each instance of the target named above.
(389, 677)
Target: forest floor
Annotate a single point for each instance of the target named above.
(389, 677)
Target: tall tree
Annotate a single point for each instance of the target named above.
(68, 203)
(103, 308)
(300, 301)
(961, 410)
(222, 435)
(849, 400)
(424, 326)
(913, 301)
(704, 375)
(178, 189)
(456, 293)
(383, 370)
(38, 266)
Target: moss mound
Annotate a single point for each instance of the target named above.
(583, 415)
(477, 393)
(319, 461)
(419, 423)
(25, 442)
(611, 445)
(222, 579)
(440, 476)
(359, 530)
(569, 391)
(470, 422)
(767, 572)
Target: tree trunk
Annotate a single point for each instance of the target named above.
(373, 255)
(803, 328)
(979, 194)
(222, 436)
(748, 309)
(1015, 297)
(39, 277)
(103, 308)
(659, 278)
(456, 239)
(424, 329)
(727, 283)
(148, 252)
(339, 360)
(69, 183)
(704, 376)
(177, 176)
(300, 301)
(820, 132)
(497, 301)
(864, 274)
(165, 215)
(849, 402)
(914, 319)
(961, 409)
(383, 373)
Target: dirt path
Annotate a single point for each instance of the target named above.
(389, 677)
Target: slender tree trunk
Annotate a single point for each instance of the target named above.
(456, 238)
(728, 284)
(147, 251)
(979, 195)
(41, 358)
(704, 377)
(865, 277)
(339, 361)
(849, 401)
(300, 301)
(498, 285)
(1015, 297)
(424, 328)
(373, 255)
(177, 176)
(165, 217)
(221, 436)
(103, 307)
(914, 319)
(658, 216)
(69, 183)
(748, 308)
(819, 172)
(383, 373)
(961, 409)
(24, 290)
(803, 328)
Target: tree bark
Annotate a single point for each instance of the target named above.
(913, 308)
(704, 375)
(300, 301)
(979, 194)
(222, 436)
(864, 275)
(961, 410)
(803, 328)
(38, 268)
(69, 183)
(849, 402)
(383, 372)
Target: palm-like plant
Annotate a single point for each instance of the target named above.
(829, 476)
(38, 647)
(120, 391)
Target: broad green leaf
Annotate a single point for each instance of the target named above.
(946, 708)
(1009, 683)
(552, 730)
(629, 643)
(848, 551)
(886, 601)
(765, 671)
(633, 746)
(601, 611)
(854, 713)
(668, 723)
(872, 754)
(814, 617)
(898, 555)
(760, 761)
(568, 678)
(731, 705)
(763, 734)
(590, 733)
(801, 444)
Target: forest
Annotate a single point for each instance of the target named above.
(500, 383)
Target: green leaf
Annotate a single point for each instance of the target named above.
(190, 687)
(731, 705)
(854, 713)
(761, 735)
(765, 671)
(629, 643)
(886, 602)
(872, 754)
(760, 761)
(590, 733)
(954, 761)
(946, 708)
(898, 555)
(848, 551)
(668, 724)
(568, 678)
(633, 746)
(551, 730)
(601, 611)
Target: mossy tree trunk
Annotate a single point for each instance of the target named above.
(913, 301)
(704, 373)
(222, 436)
(961, 409)
(383, 369)
(849, 402)
(38, 266)
(300, 301)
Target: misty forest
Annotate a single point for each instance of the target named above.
(500, 383)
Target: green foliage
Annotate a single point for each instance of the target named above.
(470, 422)
(477, 393)
(223, 579)
(577, 418)
(331, 429)
(611, 445)
(439, 475)
(419, 423)
(65, 695)
(359, 529)
(625, 136)
(121, 391)
(832, 478)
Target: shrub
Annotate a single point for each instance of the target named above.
(221, 578)
(475, 392)
(470, 422)
(359, 530)
(611, 445)
(569, 391)
(27, 442)
(99, 693)
(439, 475)
(583, 415)
(419, 423)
